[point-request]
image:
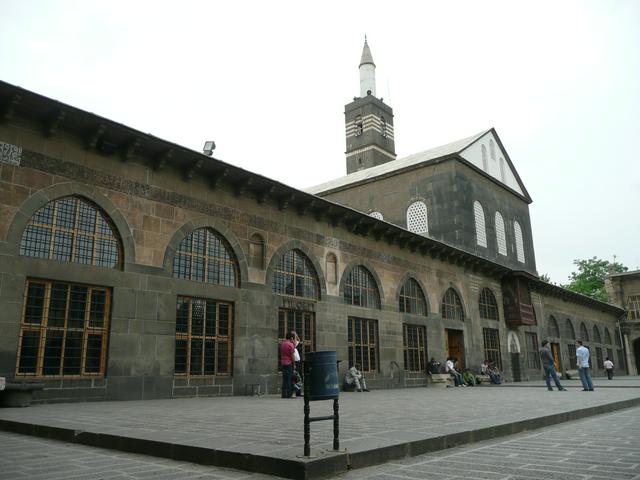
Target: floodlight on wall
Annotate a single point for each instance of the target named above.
(209, 147)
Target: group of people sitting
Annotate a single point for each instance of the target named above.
(465, 378)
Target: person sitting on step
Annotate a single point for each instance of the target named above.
(354, 377)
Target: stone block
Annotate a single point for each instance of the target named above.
(150, 224)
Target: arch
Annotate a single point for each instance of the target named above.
(492, 149)
(607, 336)
(257, 251)
(383, 126)
(501, 238)
(513, 342)
(517, 231)
(616, 337)
(451, 306)
(413, 276)
(346, 276)
(376, 215)
(485, 162)
(481, 229)
(296, 245)
(219, 227)
(584, 332)
(359, 125)
(569, 332)
(418, 218)
(412, 297)
(331, 262)
(503, 172)
(596, 334)
(39, 199)
(488, 305)
(295, 275)
(553, 328)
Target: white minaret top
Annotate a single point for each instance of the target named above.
(367, 72)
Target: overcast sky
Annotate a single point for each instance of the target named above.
(268, 82)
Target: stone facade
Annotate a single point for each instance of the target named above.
(155, 193)
(624, 291)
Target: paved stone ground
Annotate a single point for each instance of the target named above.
(272, 427)
(605, 447)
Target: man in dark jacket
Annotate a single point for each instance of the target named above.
(549, 368)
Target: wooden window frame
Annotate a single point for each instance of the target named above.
(491, 337)
(44, 331)
(454, 307)
(488, 305)
(74, 232)
(414, 347)
(368, 343)
(533, 353)
(359, 287)
(412, 299)
(303, 323)
(189, 337)
(286, 273)
(633, 307)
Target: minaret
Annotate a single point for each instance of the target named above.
(368, 122)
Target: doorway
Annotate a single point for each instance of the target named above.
(555, 351)
(454, 346)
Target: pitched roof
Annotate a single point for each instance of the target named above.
(396, 165)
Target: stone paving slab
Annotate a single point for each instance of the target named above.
(264, 434)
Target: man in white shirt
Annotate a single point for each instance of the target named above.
(582, 357)
(354, 377)
(608, 366)
(450, 369)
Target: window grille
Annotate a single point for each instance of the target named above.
(492, 346)
(204, 337)
(361, 288)
(452, 306)
(481, 231)
(71, 230)
(377, 215)
(500, 235)
(621, 362)
(383, 126)
(573, 359)
(412, 299)
(301, 322)
(596, 334)
(519, 242)
(616, 338)
(554, 329)
(569, 331)
(64, 330)
(295, 275)
(533, 355)
(417, 220)
(205, 256)
(415, 348)
(599, 358)
(362, 343)
(488, 305)
(607, 338)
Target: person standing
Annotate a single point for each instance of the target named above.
(608, 366)
(286, 362)
(549, 368)
(582, 357)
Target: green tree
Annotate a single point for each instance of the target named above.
(589, 279)
(545, 278)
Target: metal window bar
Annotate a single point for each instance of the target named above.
(415, 348)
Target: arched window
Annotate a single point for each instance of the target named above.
(500, 236)
(485, 162)
(616, 338)
(412, 299)
(492, 149)
(596, 334)
(205, 256)
(417, 220)
(488, 305)
(295, 275)
(503, 172)
(554, 329)
(481, 231)
(332, 268)
(71, 229)
(569, 331)
(519, 243)
(607, 336)
(377, 215)
(584, 333)
(361, 288)
(452, 306)
(256, 251)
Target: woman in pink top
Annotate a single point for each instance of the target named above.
(286, 362)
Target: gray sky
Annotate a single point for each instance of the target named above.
(268, 82)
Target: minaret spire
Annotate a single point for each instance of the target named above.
(367, 72)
